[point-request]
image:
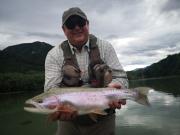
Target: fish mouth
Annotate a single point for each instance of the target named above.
(32, 106)
(28, 105)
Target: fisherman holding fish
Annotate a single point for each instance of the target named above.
(81, 60)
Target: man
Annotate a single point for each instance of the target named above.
(79, 60)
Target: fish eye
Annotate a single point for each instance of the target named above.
(40, 101)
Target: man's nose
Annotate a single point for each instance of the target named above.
(77, 27)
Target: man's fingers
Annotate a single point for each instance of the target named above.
(64, 116)
(63, 113)
(54, 116)
(68, 116)
(74, 115)
(122, 101)
(114, 85)
(117, 104)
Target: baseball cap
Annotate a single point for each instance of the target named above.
(73, 11)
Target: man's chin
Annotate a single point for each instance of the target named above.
(80, 40)
(79, 36)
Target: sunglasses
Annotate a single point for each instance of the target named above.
(74, 21)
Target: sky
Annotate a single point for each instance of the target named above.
(141, 31)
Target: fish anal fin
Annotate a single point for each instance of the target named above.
(94, 114)
(93, 117)
(98, 111)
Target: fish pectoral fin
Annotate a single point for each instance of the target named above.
(63, 110)
(66, 109)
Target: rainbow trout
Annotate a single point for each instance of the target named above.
(84, 100)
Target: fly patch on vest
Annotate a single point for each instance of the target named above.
(99, 73)
(70, 69)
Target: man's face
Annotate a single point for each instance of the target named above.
(76, 30)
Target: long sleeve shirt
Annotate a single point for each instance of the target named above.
(54, 62)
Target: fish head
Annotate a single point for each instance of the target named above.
(41, 104)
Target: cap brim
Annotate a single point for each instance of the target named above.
(72, 15)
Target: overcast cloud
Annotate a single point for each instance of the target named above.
(141, 31)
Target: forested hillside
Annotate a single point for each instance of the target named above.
(169, 66)
(24, 57)
(22, 67)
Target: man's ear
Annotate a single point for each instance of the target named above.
(63, 28)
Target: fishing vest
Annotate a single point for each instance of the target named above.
(99, 73)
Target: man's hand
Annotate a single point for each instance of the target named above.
(114, 85)
(64, 113)
(116, 104)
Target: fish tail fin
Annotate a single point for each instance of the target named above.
(142, 95)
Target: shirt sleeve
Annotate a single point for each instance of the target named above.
(53, 75)
(118, 73)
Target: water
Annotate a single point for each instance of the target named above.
(15, 121)
(162, 118)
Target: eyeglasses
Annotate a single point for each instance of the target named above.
(74, 21)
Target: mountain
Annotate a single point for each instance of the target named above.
(29, 57)
(24, 57)
(170, 66)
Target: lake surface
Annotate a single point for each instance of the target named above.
(162, 118)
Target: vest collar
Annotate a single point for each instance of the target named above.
(74, 49)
